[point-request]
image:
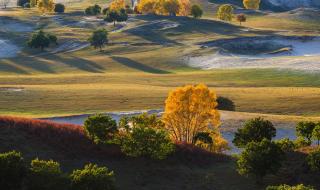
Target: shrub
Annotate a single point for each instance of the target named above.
(21, 3)
(100, 128)
(254, 130)
(286, 145)
(196, 11)
(46, 175)
(313, 160)
(93, 10)
(316, 134)
(301, 142)
(147, 142)
(59, 8)
(145, 120)
(12, 170)
(305, 129)
(92, 177)
(259, 159)
(287, 187)
(225, 104)
(99, 38)
(211, 141)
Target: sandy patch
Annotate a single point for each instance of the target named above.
(297, 53)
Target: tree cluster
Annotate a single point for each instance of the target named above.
(42, 40)
(47, 175)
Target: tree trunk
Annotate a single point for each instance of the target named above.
(114, 23)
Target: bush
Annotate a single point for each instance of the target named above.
(12, 170)
(305, 129)
(196, 11)
(225, 104)
(59, 8)
(287, 187)
(147, 142)
(254, 130)
(46, 175)
(301, 142)
(286, 145)
(259, 159)
(21, 3)
(93, 10)
(92, 177)
(313, 160)
(105, 10)
(100, 128)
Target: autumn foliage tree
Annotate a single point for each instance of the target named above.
(225, 12)
(165, 7)
(251, 4)
(190, 110)
(117, 5)
(241, 18)
(45, 5)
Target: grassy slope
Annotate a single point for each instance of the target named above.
(184, 170)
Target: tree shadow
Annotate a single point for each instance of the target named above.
(139, 66)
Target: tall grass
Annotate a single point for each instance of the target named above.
(67, 138)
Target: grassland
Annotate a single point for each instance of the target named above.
(141, 64)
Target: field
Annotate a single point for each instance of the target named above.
(147, 59)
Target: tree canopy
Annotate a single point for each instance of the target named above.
(99, 38)
(225, 12)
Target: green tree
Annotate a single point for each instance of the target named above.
(12, 170)
(254, 130)
(147, 142)
(146, 120)
(100, 128)
(93, 10)
(305, 129)
(286, 145)
(225, 12)
(287, 187)
(59, 8)
(316, 133)
(259, 159)
(99, 38)
(196, 11)
(116, 16)
(46, 175)
(92, 177)
(313, 160)
(41, 40)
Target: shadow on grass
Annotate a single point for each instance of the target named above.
(139, 66)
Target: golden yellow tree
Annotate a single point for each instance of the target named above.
(147, 6)
(184, 8)
(251, 4)
(45, 5)
(225, 12)
(171, 7)
(190, 110)
(116, 5)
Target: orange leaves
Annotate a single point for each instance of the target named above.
(189, 110)
(165, 7)
(116, 5)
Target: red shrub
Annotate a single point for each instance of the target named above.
(64, 137)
